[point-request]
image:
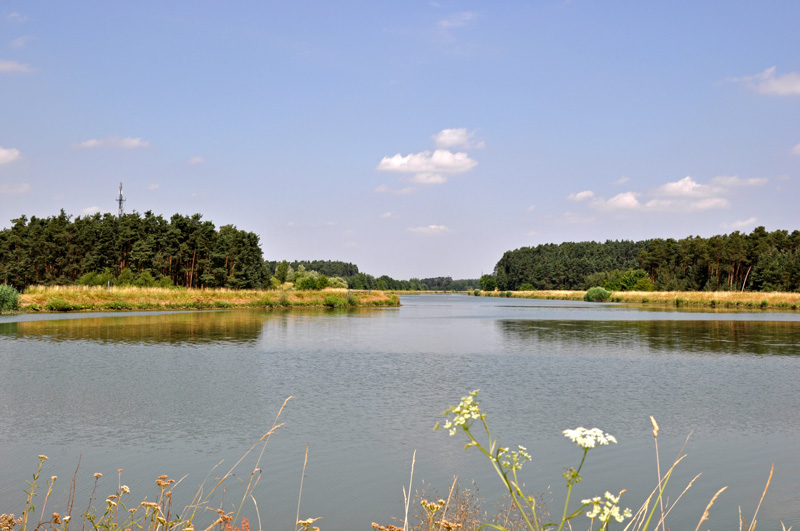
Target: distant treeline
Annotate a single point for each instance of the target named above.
(759, 261)
(185, 251)
(357, 280)
(182, 251)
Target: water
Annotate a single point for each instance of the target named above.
(176, 393)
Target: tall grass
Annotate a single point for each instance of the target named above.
(98, 298)
(120, 511)
(724, 299)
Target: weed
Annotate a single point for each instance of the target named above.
(597, 294)
(117, 305)
(9, 298)
(59, 305)
(604, 510)
(332, 301)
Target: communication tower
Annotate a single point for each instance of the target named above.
(120, 200)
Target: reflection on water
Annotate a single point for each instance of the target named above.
(237, 326)
(174, 328)
(768, 338)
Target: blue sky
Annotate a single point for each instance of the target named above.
(411, 138)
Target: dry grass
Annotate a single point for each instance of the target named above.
(726, 299)
(71, 298)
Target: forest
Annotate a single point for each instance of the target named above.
(759, 261)
(184, 251)
(188, 251)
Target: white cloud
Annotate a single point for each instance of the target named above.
(457, 20)
(428, 178)
(88, 211)
(768, 83)
(624, 201)
(8, 155)
(796, 150)
(20, 42)
(153, 186)
(16, 17)
(433, 167)
(684, 195)
(196, 160)
(440, 161)
(430, 229)
(383, 189)
(14, 66)
(622, 180)
(14, 189)
(114, 141)
(735, 180)
(686, 187)
(530, 208)
(683, 205)
(386, 215)
(451, 138)
(581, 196)
(743, 224)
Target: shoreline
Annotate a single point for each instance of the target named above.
(61, 299)
(747, 300)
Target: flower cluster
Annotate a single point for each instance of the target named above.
(608, 509)
(513, 460)
(306, 524)
(589, 438)
(464, 412)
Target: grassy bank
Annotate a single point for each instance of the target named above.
(84, 298)
(709, 299)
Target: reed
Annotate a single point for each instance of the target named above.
(711, 299)
(100, 298)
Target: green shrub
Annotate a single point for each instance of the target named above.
(352, 300)
(306, 282)
(144, 280)
(337, 282)
(125, 278)
(9, 298)
(526, 287)
(59, 305)
(597, 294)
(488, 283)
(335, 302)
(477, 292)
(117, 305)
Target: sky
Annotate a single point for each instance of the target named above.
(414, 139)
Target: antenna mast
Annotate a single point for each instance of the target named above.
(120, 200)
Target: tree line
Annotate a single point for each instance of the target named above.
(759, 261)
(184, 251)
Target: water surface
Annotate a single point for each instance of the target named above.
(175, 393)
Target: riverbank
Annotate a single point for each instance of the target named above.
(707, 299)
(98, 298)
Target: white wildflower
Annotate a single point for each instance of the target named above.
(589, 438)
(606, 510)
